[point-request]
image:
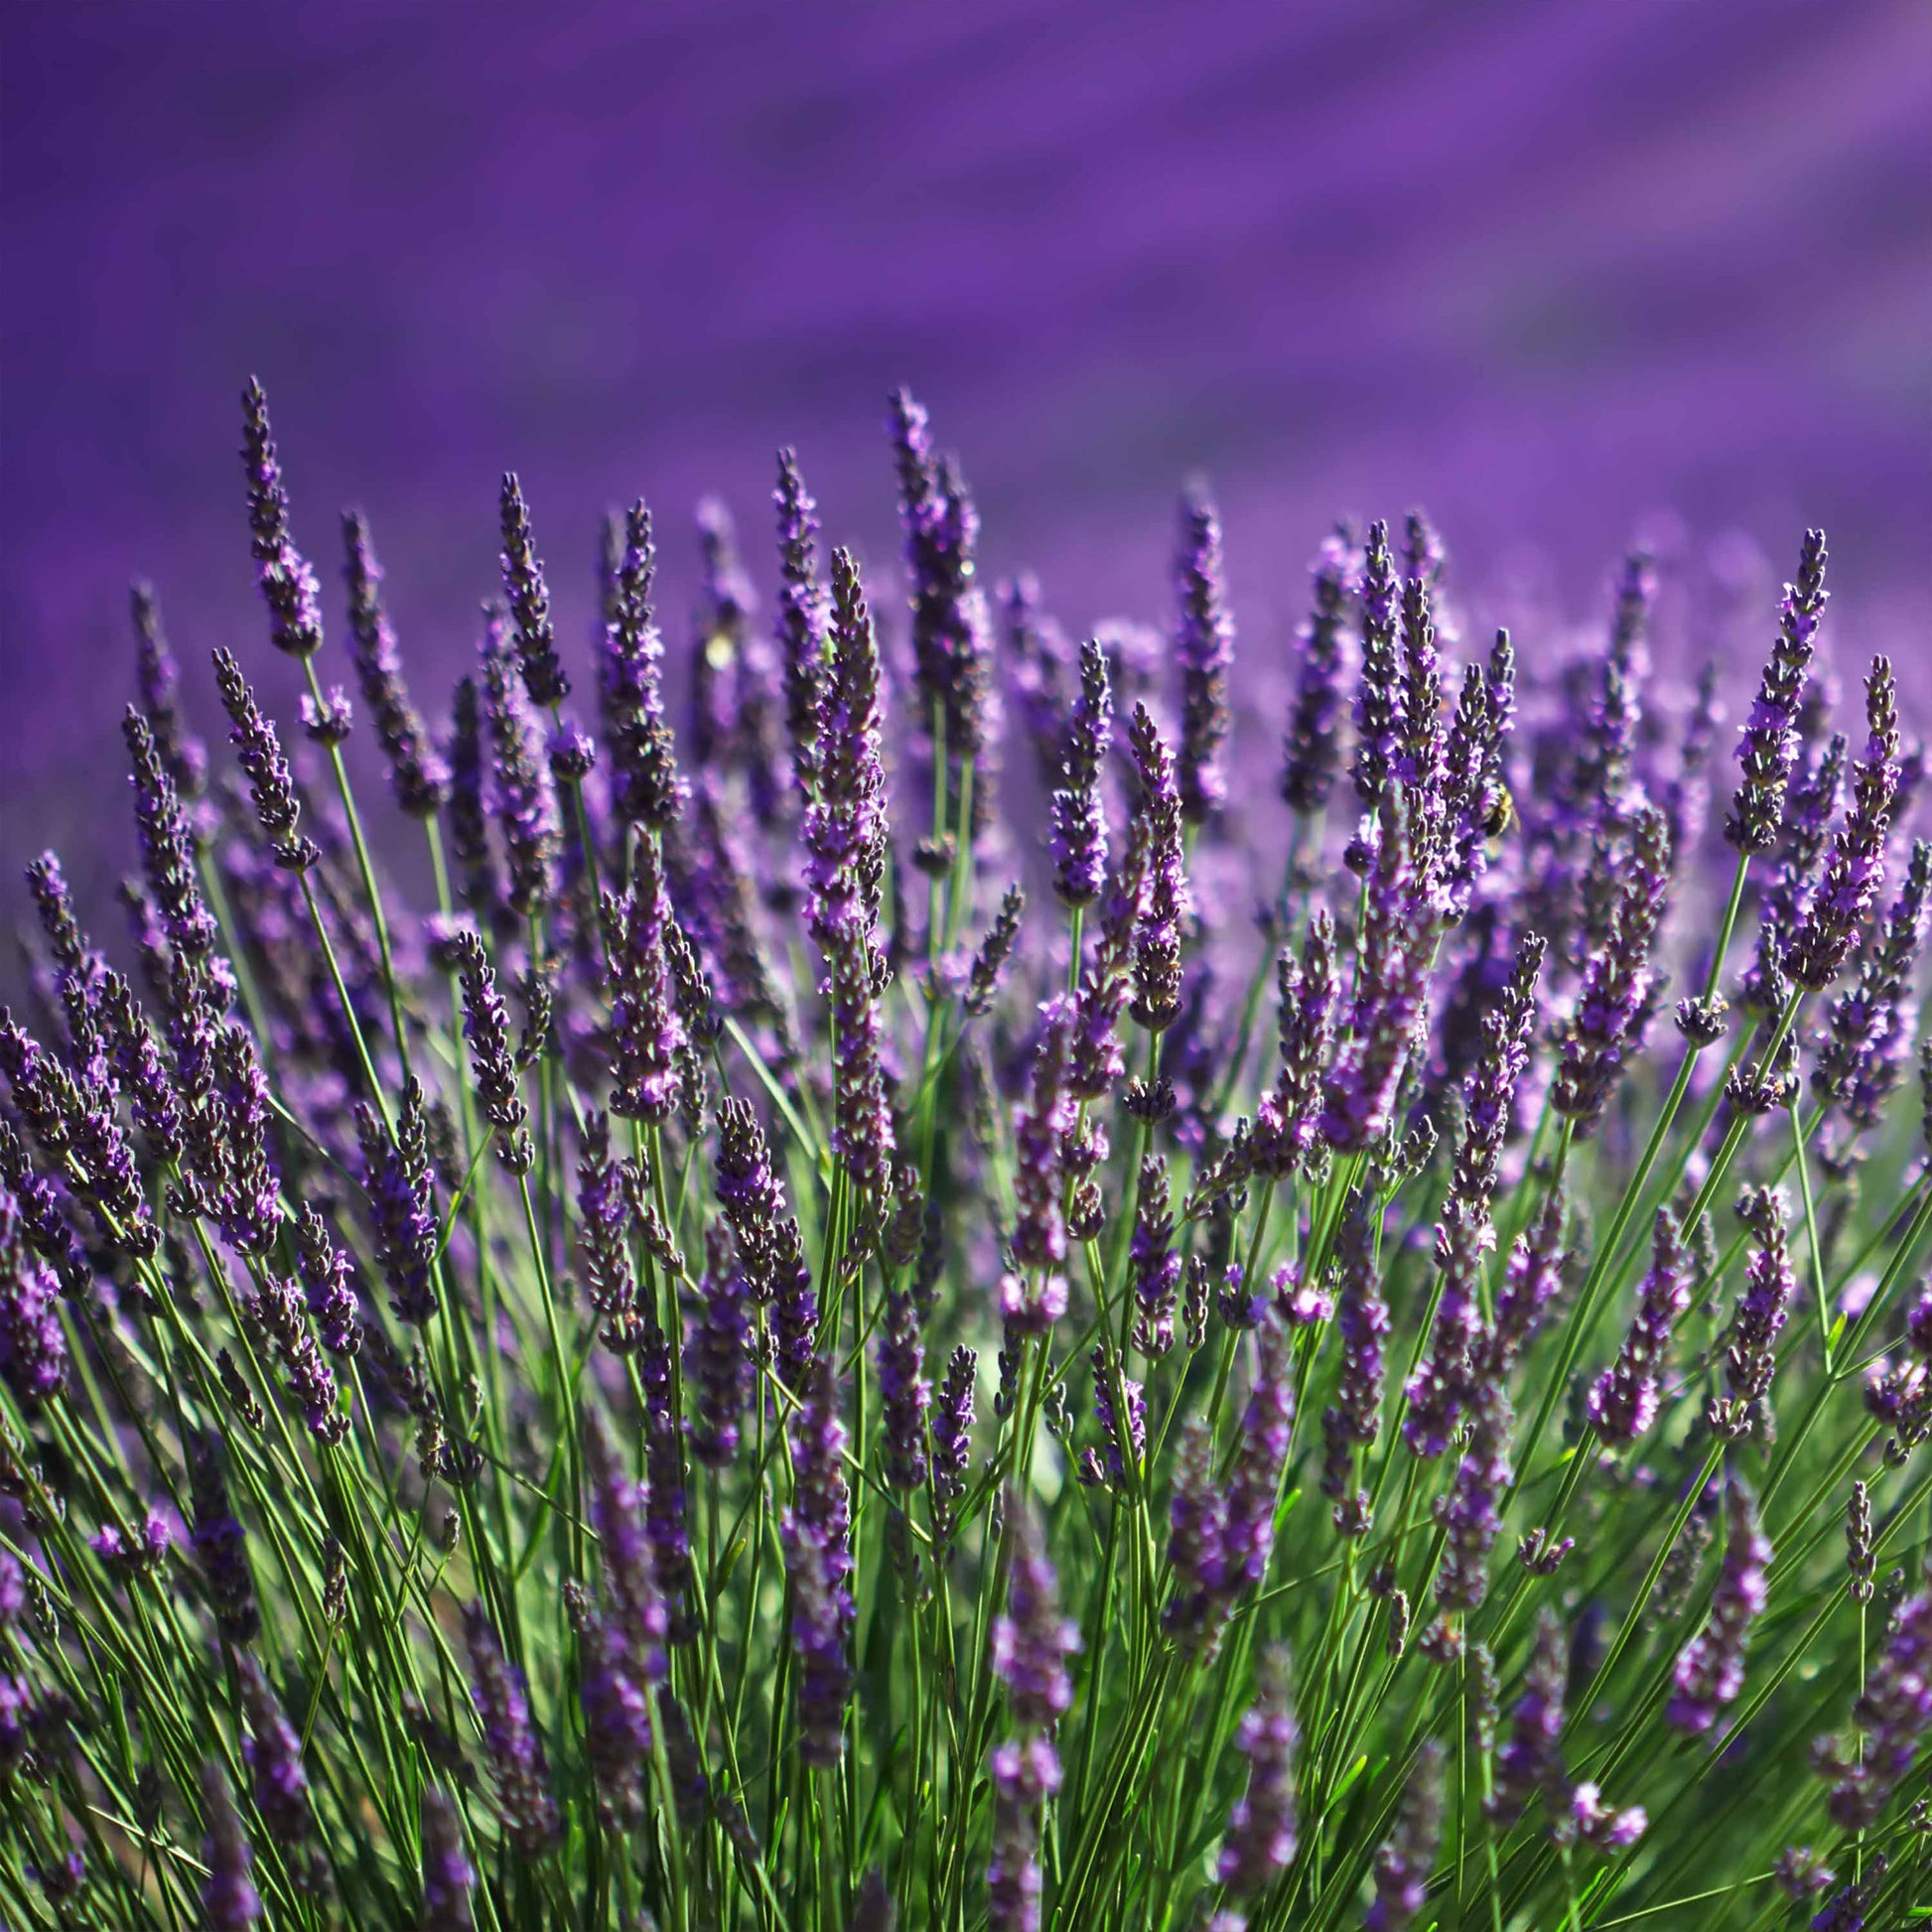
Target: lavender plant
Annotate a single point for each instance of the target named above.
(790, 1350)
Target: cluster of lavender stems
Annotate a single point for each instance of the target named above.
(965, 1274)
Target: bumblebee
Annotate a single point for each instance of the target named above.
(1502, 818)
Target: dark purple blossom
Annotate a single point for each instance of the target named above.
(524, 799)
(158, 677)
(448, 1873)
(1760, 1314)
(1894, 1711)
(32, 1344)
(402, 1209)
(1622, 1402)
(804, 614)
(1204, 651)
(815, 1530)
(418, 775)
(903, 1392)
(1031, 1641)
(167, 846)
(288, 582)
(272, 1751)
(1079, 813)
(1312, 751)
(529, 602)
(646, 789)
(1768, 743)
(525, 1797)
(229, 1900)
(1855, 870)
(1408, 1857)
(326, 1285)
(1710, 1669)
(1156, 937)
(646, 1033)
(1261, 1829)
(717, 1361)
(220, 1544)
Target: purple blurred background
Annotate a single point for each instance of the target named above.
(1563, 272)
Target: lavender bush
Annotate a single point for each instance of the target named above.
(744, 1370)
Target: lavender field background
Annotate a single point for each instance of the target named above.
(1567, 274)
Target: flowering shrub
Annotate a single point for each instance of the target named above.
(744, 1371)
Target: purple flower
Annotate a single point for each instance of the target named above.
(1760, 1314)
(525, 799)
(1470, 1513)
(279, 1309)
(952, 1430)
(1196, 1537)
(903, 1392)
(1618, 982)
(1040, 1127)
(1157, 938)
(515, 1750)
(1855, 870)
(1154, 1265)
(529, 602)
(1119, 1436)
(140, 1069)
(478, 881)
(804, 614)
(952, 631)
(418, 775)
(1286, 1118)
(447, 1872)
(618, 1733)
(1529, 1761)
(814, 1531)
(646, 1035)
(402, 1209)
(1024, 1775)
(229, 1900)
(1859, 1060)
(166, 847)
(1768, 743)
(32, 1344)
(273, 1754)
(288, 583)
(1408, 1857)
(844, 834)
(250, 1204)
(1710, 1669)
(1254, 1483)
(1622, 1403)
(1204, 650)
(1312, 751)
(1262, 1829)
(646, 789)
(324, 1270)
(159, 679)
(1079, 815)
(1375, 693)
(1031, 1641)
(1351, 1421)
(220, 1544)
(1895, 1712)
(492, 1066)
(717, 1360)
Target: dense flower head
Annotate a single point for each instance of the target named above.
(1709, 1670)
(288, 582)
(1262, 1829)
(1768, 743)
(418, 774)
(1204, 650)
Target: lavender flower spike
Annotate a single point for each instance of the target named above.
(1622, 1402)
(229, 1900)
(1205, 647)
(1031, 1641)
(448, 1873)
(1768, 743)
(418, 775)
(529, 602)
(221, 1545)
(645, 787)
(525, 799)
(166, 847)
(1312, 754)
(1855, 870)
(1375, 693)
(1262, 1831)
(1404, 1864)
(716, 1358)
(159, 680)
(1079, 819)
(1157, 939)
(523, 1793)
(1895, 1713)
(288, 582)
(804, 614)
(1760, 1314)
(1710, 1669)
(815, 1533)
